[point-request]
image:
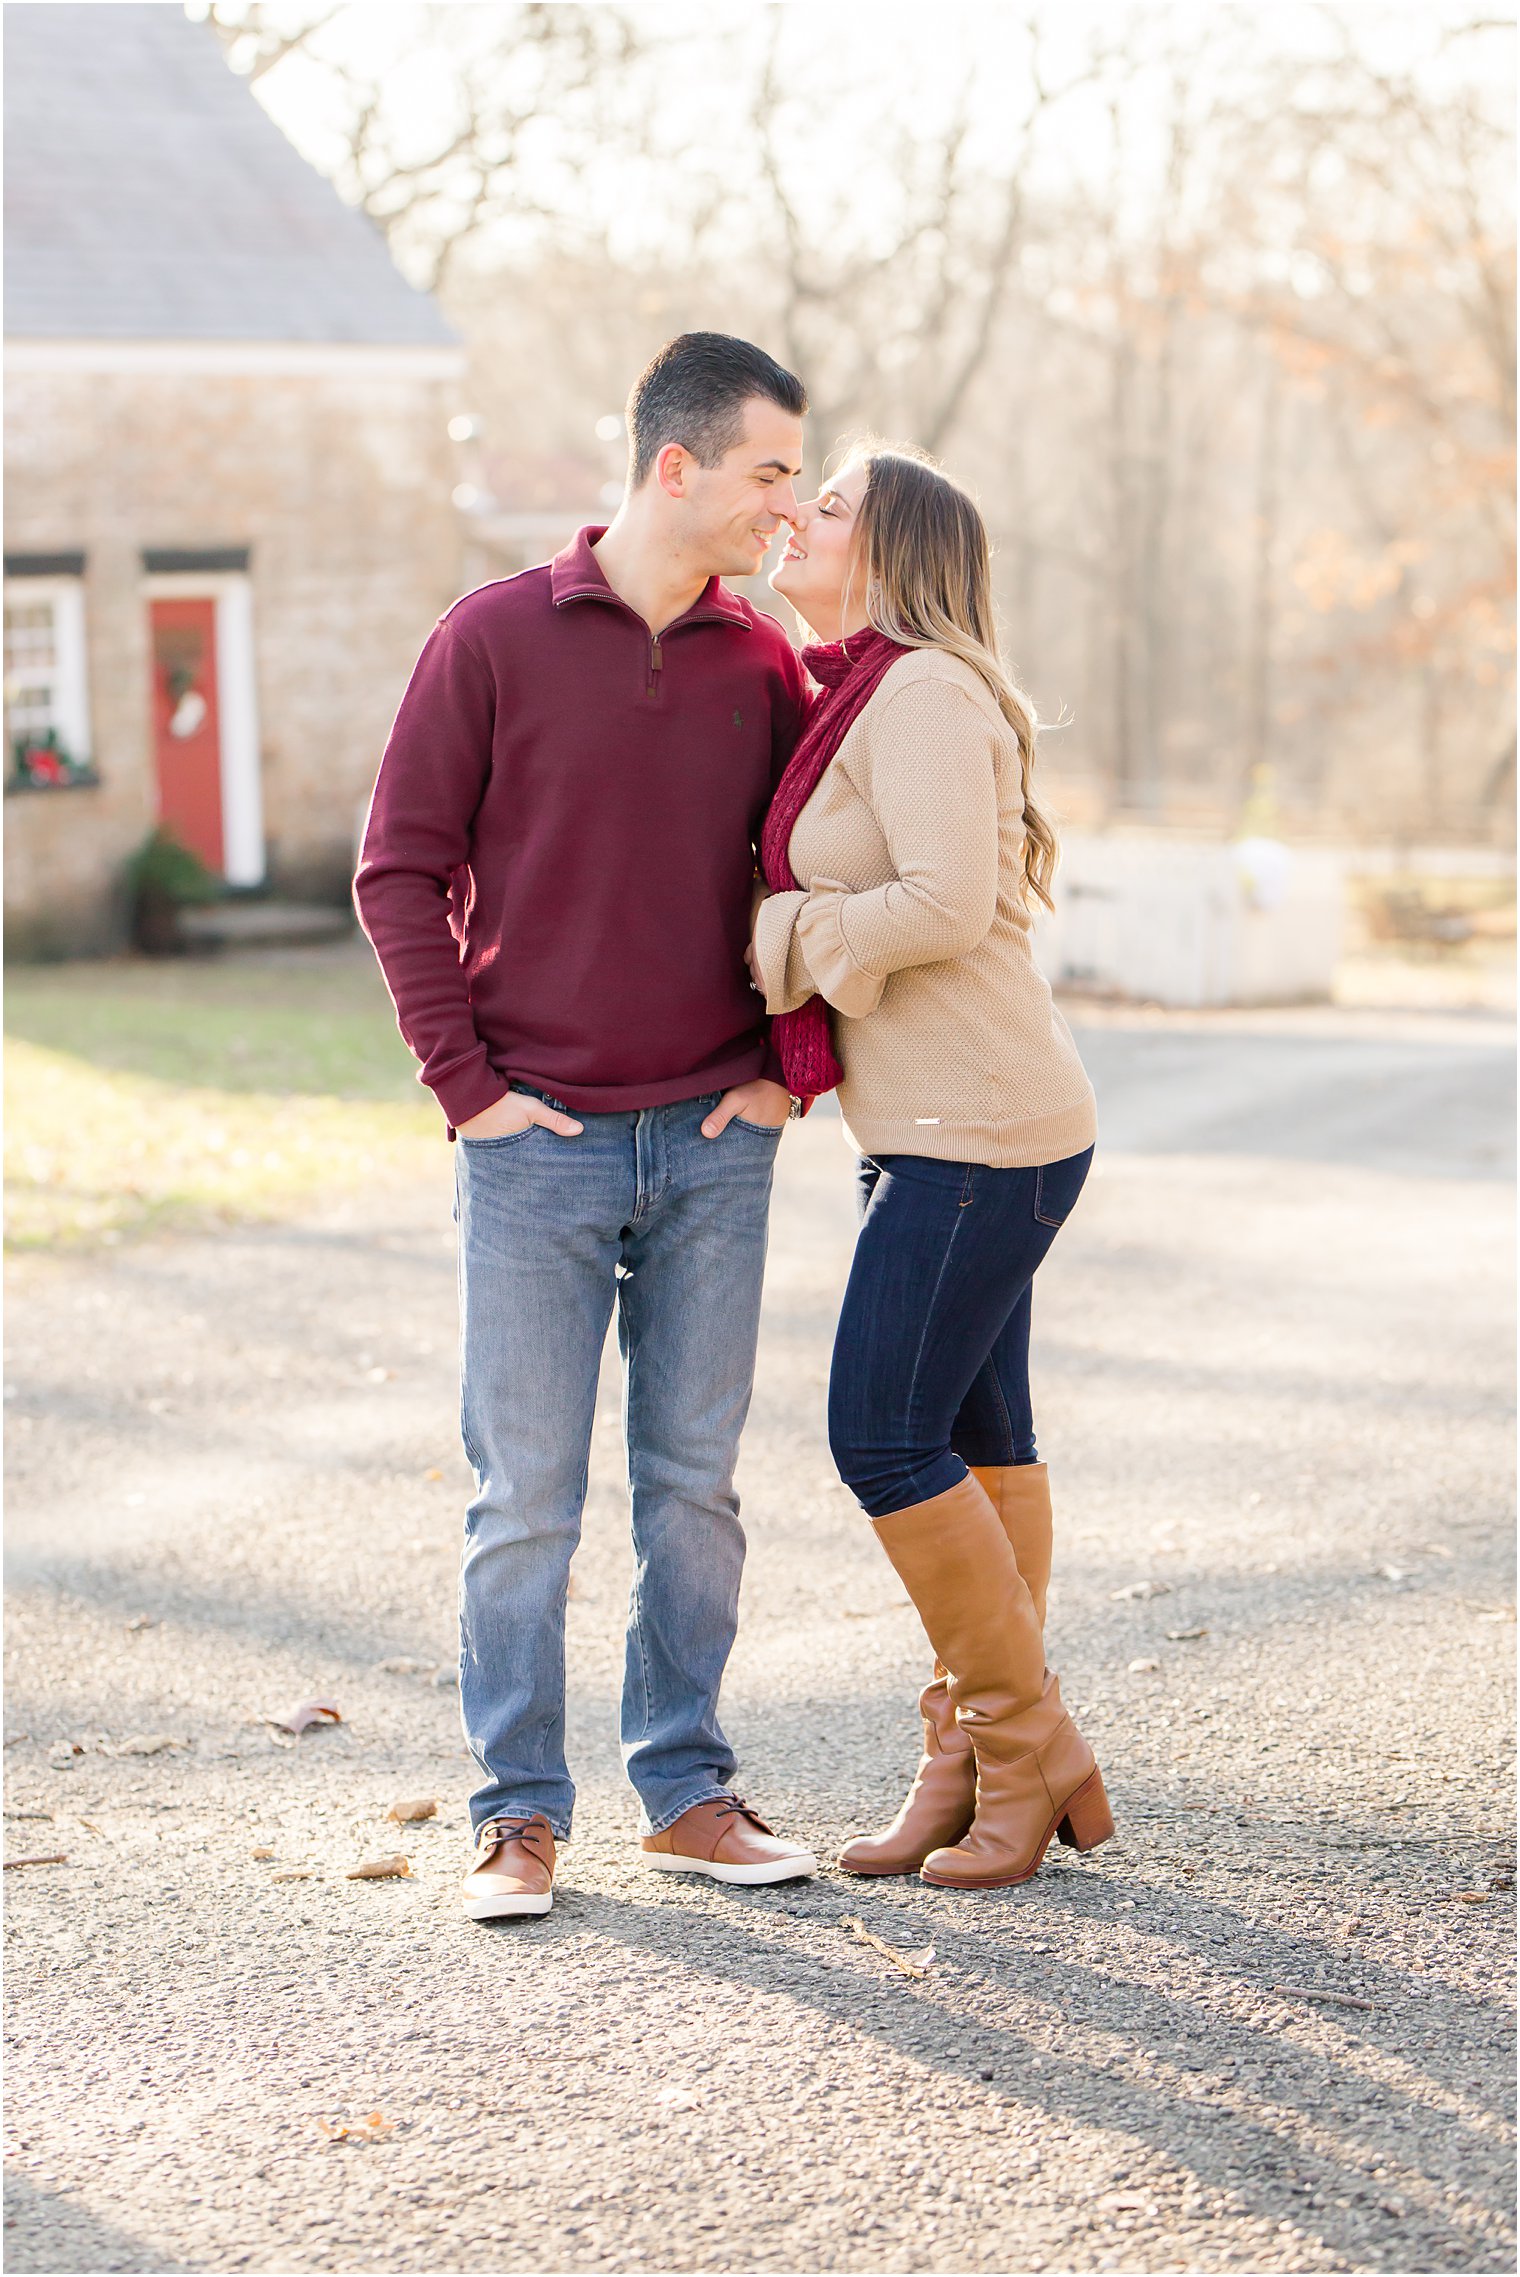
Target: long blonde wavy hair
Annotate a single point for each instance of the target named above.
(921, 552)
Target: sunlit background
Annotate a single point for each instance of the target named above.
(319, 315)
(1212, 307)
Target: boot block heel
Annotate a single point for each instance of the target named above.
(1088, 1820)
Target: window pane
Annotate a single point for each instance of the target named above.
(29, 641)
(30, 657)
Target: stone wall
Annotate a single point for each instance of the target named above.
(339, 486)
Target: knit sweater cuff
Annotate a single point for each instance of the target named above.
(468, 1088)
(783, 974)
(836, 974)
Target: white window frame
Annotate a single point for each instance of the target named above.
(71, 676)
(237, 710)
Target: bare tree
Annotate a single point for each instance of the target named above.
(511, 70)
(893, 325)
(1238, 401)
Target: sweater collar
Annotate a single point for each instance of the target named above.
(576, 575)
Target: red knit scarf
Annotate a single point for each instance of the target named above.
(849, 672)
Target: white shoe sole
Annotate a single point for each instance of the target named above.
(499, 1908)
(796, 1869)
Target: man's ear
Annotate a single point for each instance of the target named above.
(671, 468)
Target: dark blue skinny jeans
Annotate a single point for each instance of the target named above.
(931, 1357)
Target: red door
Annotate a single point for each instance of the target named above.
(187, 738)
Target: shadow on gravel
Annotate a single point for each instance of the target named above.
(1234, 1601)
(1266, 2148)
(48, 2232)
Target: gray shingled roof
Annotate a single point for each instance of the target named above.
(148, 196)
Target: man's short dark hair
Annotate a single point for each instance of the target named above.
(694, 393)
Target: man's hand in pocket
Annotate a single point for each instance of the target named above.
(513, 1112)
(757, 1102)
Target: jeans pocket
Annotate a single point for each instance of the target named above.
(508, 1138)
(927, 1170)
(1057, 1185)
(760, 1130)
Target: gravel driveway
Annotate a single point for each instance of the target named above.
(1267, 2028)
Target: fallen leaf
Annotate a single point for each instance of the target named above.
(407, 1813)
(48, 1858)
(912, 1964)
(401, 1666)
(1184, 1636)
(1471, 1897)
(432, 1477)
(28, 1814)
(1396, 1572)
(1143, 1667)
(366, 2130)
(148, 1743)
(1312, 1992)
(678, 2099)
(310, 1713)
(263, 1851)
(139, 1621)
(1136, 1590)
(296, 1874)
(379, 1870)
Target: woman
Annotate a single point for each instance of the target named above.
(903, 851)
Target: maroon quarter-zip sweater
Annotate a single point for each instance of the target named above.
(557, 864)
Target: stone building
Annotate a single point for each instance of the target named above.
(228, 477)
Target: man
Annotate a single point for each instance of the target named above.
(556, 877)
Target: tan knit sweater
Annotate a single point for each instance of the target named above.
(913, 928)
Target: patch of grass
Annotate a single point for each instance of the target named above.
(142, 1095)
(310, 1020)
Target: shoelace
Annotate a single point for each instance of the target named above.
(499, 1830)
(734, 1806)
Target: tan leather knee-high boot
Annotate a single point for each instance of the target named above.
(1020, 1494)
(939, 1805)
(1035, 1774)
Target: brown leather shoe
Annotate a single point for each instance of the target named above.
(939, 1804)
(513, 1870)
(725, 1839)
(1035, 1774)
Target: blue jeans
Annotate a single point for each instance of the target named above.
(643, 1212)
(931, 1357)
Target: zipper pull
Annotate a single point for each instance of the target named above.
(656, 656)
